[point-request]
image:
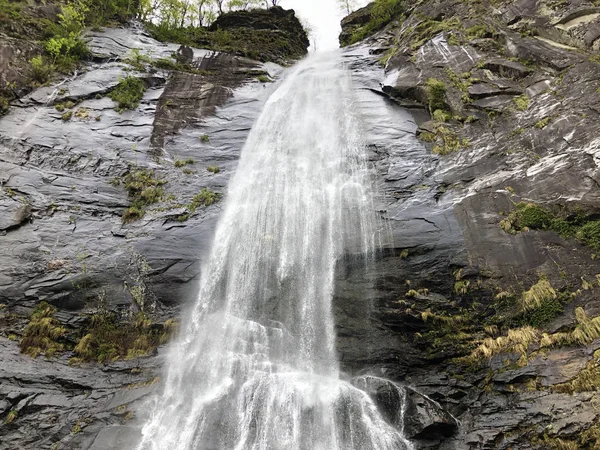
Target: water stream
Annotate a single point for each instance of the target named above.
(256, 367)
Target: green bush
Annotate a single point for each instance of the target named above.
(107, 339)
(40, 70)
(128, 93)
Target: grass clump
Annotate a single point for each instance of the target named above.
(107, 339)
(67, 116)
(538, 294)
(429, 28)
(589, 234)
(144, 188)
(213, 169)
(206, 197)
(264, 78)
(436, 94)
(542, 123)
(128, 93)
(11, 417)
(516, 341)
(448, 142)
(528, 216)
(204, 138)
(40, 70)
(585, 332)
(43, 333)
(183, 162)
(137, 60)
(521, 102)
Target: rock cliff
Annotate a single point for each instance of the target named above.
(486, 296)
(112, 181)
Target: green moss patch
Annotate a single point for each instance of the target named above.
(531, 216)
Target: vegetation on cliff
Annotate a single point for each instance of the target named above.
(48, 39)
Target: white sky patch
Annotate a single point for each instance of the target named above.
(324, 17)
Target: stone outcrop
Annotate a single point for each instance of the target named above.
(62, 235)
(483, 122)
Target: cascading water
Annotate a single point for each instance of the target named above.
(256, 366)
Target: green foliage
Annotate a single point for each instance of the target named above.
(67, 116)
(589, 234)
(107, 339)
(128, 93)
(103, 12)
(449, 142)
(213, 169)
(480, 31)
(183, 162)
(144, 189)
(204, 138)
(65, 45)
(264, 78)
(382, 13)
(206, 197)
(4, 105)
(429, 28)
(441, 116)
(545, 312)
(527, 216)
(521, 102)
(11, 417)
(542, 123)
(138, 60)
(43, 332)
(427, 136)
(40, 70)
(436, 94)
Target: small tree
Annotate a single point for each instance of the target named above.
(347, 6)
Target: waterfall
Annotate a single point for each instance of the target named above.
(255, 367)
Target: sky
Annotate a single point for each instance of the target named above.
(323, 16)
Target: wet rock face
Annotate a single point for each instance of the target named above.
(63, 239)
(503, 104)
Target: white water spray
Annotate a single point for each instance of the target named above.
(256, 366)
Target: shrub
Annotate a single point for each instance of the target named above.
(107, 339)
(40, 70)
(213, 169)
(128, 93)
